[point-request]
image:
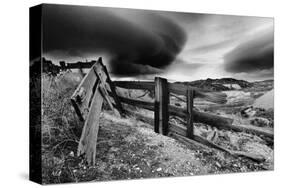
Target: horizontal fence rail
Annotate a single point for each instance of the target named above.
(87, 101)
(97, 88)
(179, 89)
(135, 85)
(202, 117)
(78, 65)
(50, 68)
(189, 113)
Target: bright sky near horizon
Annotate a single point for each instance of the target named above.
(137, 44)
(215, 36)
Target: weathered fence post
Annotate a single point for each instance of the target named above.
(113, 90)
(62, 65)
(80, 70)
(87, 100)
(161, 111)
(189, 115)
(88, 140)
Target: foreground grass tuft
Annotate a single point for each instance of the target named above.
(60, 128)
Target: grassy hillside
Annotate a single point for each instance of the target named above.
(128, 148)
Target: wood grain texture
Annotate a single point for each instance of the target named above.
(213, 120)
(161, 110)
(180, 89)
(87, 100)
(189, 114)
(82, 96)
(135, 85)
(142, 104)
(79, 65)
(88, 140)
(179, 133)
(220, 122)
(103, 85)
(203, 117)
(112, 90)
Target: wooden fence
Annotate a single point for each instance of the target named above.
(97, 87)
(87, 101)
(50, 68)
(190, 93)
(162, 110)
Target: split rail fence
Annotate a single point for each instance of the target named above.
(163, 109)
(97, 87)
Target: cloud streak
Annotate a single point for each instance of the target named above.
(252, 55)
(142, 44)
(133, 47)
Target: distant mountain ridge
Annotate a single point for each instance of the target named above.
(264, 85)
(225, 84)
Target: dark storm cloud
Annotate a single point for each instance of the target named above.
(135, 47)
(253, 55)
(132, 69)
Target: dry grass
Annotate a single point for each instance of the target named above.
(128, 148)
(248, 143)
(60, 126)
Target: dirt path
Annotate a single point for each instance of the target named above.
(129, 149)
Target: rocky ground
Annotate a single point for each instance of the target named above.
(129, 149)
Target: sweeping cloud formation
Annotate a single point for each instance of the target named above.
(140, 44)
(252, 55)
(145, 45)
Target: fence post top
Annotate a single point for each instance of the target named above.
(100, 60)
(159, 78)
